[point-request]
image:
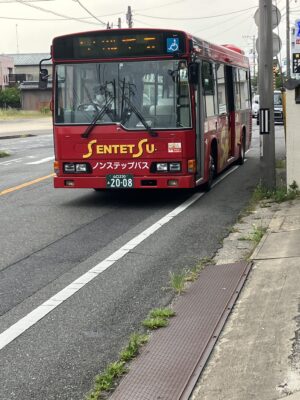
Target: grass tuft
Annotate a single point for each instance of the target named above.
(158, 318)
(3, 154)
(104, 382)
(162, 313)
(155, 323)
(177, 281)
(132, 349)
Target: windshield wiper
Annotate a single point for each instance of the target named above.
(104, 110)
(140, 116)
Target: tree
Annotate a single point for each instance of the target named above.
(10, 97)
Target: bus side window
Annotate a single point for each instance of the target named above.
(237, 89)
(209, 88)
(244, 86)
(221, 89)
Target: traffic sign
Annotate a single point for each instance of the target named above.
(276, 44)
(296, 63)
(276, 17)
(296, 48)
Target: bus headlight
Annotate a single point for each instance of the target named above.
(175, 167)
(69, 168)
(81, 167)
(162, 167)
(76, 168)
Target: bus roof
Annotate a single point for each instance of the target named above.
(228, 53)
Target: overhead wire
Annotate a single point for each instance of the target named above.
(194, 18)
(226, 30)
(53, 12)
(223, 22)
(88, 11)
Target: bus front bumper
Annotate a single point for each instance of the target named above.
(139, 182)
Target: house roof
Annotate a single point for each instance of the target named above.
(30, 58)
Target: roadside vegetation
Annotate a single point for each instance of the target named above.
(277, 195)
(178, 283)
(7, 114)
(157, 318)
(3, 154)
(265, 196)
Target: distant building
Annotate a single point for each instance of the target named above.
(26, 76)
(6, 69)
(33, 98)
(27, 66)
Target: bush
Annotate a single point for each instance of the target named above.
(10, 97)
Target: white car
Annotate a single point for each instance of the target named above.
(255, 105)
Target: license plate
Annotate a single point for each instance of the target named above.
(119, 181)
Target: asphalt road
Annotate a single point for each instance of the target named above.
(48, 238)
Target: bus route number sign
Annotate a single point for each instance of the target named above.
(119, 181)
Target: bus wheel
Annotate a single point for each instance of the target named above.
(212, 172)
(241, 158)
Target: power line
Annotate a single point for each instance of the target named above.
(15, 1)
(223, 22)
(161, 6)
(226, 30)
(53, 12)
(88, 11)
(191, 18)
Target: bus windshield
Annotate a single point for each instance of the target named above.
(133, 94)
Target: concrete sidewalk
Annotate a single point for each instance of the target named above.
(9, 128)
(258, 353)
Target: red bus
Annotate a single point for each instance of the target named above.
(147, 108)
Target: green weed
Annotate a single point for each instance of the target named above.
(131, 350)
(177, 281)
(3, 154)
(104, 382)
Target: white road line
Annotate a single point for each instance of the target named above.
(41, 311)
(43, 160)
(16, 160)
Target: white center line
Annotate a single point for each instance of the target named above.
(41, 161)
(41, 311)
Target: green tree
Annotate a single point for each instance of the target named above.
(10, 97)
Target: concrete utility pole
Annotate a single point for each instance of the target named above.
(129, 17)
(266, 97)
(288, 41)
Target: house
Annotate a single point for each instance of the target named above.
(6, 69)
(27, 66)
(26, 76)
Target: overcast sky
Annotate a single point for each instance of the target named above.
(29, 25)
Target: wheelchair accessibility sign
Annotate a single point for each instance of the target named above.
(172, 45)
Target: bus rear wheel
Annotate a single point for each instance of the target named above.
(241, 158)
(211, 172)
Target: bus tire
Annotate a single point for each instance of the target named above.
(241, 158)
(211, 173)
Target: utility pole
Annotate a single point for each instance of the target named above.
(288, 41)
(129, 17)
(266, 97)
(253, 52)
(17, 37)
(254, 55)
(119, 23)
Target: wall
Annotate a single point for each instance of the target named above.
(6, 68)
(292, 138)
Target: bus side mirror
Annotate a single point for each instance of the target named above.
(44, 75)
(43, 81)
(193, 73)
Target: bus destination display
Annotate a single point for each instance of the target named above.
(107, 45)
